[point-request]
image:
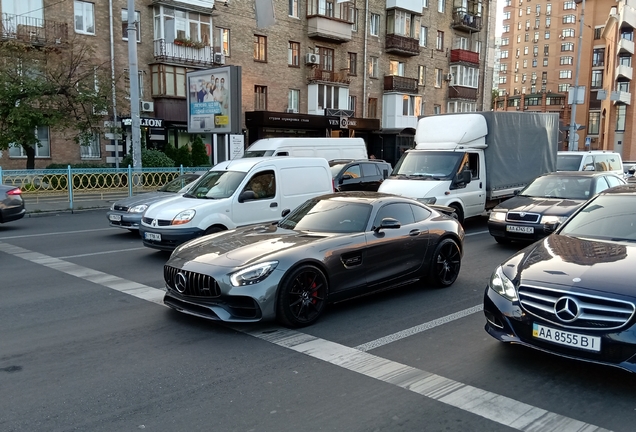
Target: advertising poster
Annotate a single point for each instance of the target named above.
(209, 101)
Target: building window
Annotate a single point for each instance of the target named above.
(260, 98)
(620, 117)
(84, 17)
(563, 88)
(372, 67)
(546, 49)
(43, 150)
(372, 108)
(464, 76)
(525, 64)
(293, 100)
(423, 36)
(546, 35)
(354, 27)
(567, 33)
(569, 19)
(222, 44)
(412, 106)
(547, 22)
(565, 74)
(502, 79)
(566, 60)
(424, 4)
(505, 41)
(597, 79)
(534, 63)
(421, 75)
(437, 109)
(569, 5)
(438, 77)
(328, 96)
(568, 46)
(293, 8)
(441, 6)
(353, 102)
(124, 24)
(622, 86)
(525, 50)
(326, 59)
(593, 123)
(352, 63)
(625, 60)
(506, 28)
(92, 150)
(598, 31)
(171, 24)
(169, 80)
(402, 23)
(504, 54)
(260, 48)
(545, 61)
(396, 68)
(439, 42)
(374, 25)
(293, 53)
(598, 57)
(506, 15)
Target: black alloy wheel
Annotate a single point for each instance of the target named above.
(447, 261)
(302, 297)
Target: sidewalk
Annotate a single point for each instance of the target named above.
(49, 205)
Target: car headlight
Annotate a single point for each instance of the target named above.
(138, 208)
(502, 285)
(497, 216)
(183, 217)
(553, 219)
(253, 274)
(428, 200)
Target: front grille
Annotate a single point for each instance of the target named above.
(120, 207)
(191, 284)
(160, 222)
(594, 312)
(523, 217)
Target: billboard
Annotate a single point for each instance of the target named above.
(214, 100)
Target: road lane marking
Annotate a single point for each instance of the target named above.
(55, 233)
(102, 253)
(418, 328)
(476, 233)
(492, 406)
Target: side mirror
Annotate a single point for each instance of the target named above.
(385, 173)
(285, 212)
(589, 168)
(345, 177)
(247, 196)
(388, 223)
(551, 226)
(516, 192)
(463, 177)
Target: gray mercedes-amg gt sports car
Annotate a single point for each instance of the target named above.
(329, 249)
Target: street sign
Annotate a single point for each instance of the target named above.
(588, 141)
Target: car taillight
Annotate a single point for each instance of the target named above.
(16, 191)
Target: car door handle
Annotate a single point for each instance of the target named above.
(274, 204)
(414, 232)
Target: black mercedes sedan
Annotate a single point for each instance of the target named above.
(11, 203)
(547, 201)
(330, 248)
(573, 294)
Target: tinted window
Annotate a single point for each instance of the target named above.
(370, 170)
(613, 181)
(353, 171)
(555, 186)
(400, 211)
(263, 184)
(420, 213)
(569, 162)
(335, 169)
(601, 163)
(599, 219)
(216, 184)
(179, 183)
(601, 185)
(328, 216)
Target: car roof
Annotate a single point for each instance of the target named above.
(626, 189)
(578, 174)
(566, 152)
(365, 197)
(246, 164)
(346, 161)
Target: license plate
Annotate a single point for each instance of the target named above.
(152, 236)
(115, 218)
(520, 229)
(575, 340)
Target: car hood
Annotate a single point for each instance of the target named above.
(169, 208)
(145, 198)
(245, 245)
(586, 264)
(541, 205)
(413, 188)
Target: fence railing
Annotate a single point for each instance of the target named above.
(72, 184)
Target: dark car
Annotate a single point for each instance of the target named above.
(359, 175)
(330, 248)
(11, 203)
(548, 200)
(572, 294)
(126, 213)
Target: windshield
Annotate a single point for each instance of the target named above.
(428, 164)
(216, 184)
(609, 217)
(335, 169)
(577, 188)
(333, 216)
(569, 162)
(179, 183)
(257, 153)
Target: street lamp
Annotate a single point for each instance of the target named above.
(572, 144)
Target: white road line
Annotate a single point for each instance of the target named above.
(102, 253)
(55, 233)
(499, 409)
(418, 329)
(476, 233)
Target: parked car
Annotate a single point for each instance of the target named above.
(126, 213)
(572, 294)
(359, 175)
(629, 170)
(593, 160)
(549, 199)
(11, 203)
(331, 248)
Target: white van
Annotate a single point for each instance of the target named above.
(235, 193)
(593, 160)
(328, 148)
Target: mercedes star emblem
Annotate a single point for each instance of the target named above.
(567, 309)
(180, 282)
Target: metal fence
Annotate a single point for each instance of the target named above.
(79, 184)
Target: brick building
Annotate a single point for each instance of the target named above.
(365, 68)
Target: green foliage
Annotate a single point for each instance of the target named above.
(149, 159)
(199, 154)
(76, 165)
(170, 151)
(183, 157)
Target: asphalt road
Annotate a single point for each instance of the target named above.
(86, 345)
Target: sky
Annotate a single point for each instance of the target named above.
(498, 17)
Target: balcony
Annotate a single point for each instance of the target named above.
(623, 71)
(625, 46)
(462, 20)
(171, 51)
(393, 83)
(33, 30)
(328, 29)
(628, 16)
(464, 56)
(402, 45)
(466, 93)
(414, 6)
(319, 75)
(622, 97)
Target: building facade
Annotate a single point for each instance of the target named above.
(367, 68)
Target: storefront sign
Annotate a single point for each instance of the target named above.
(144, 122)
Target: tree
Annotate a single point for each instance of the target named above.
(200, 156)
(495, 95)
(58, 86)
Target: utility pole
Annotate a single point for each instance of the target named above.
(572, 145)
(133, 71)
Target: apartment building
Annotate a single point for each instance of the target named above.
(365, 68)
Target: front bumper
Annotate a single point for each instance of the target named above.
(498, 229)
(170, 238)
(125, 220)
(508, 322)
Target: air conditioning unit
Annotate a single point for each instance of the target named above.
(516, 70)
(147, 106)
(219, 58)
(448, 77)
(312, 59)
(517, 108)
(525, 107)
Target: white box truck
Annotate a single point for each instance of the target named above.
(473, 161)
